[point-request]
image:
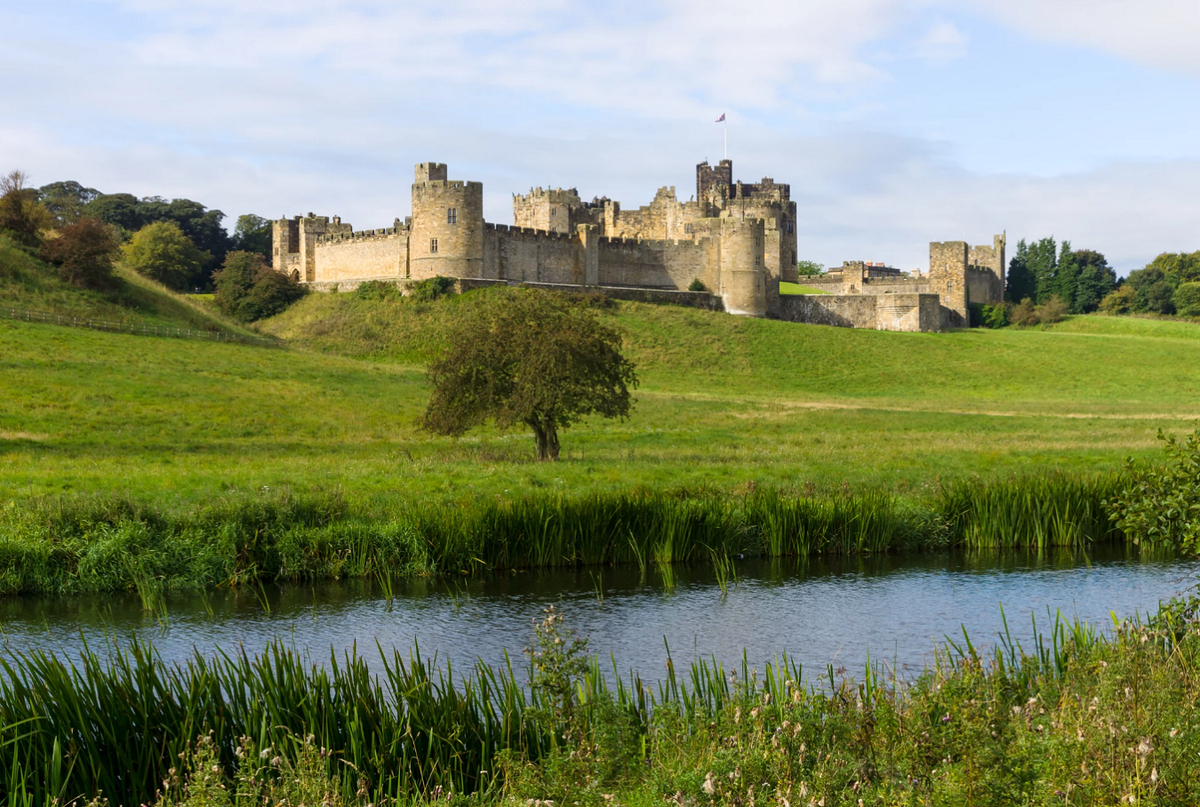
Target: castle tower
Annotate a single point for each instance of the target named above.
(446, 235)
(742, 274)
(948, 280)
(714, 181)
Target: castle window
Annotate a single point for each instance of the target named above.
(451, 217)
(687, 228)
(433, 245)
(757, 260)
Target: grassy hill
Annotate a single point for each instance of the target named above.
(724, 401)
(28, 283)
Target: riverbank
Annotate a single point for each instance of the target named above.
(83, 544)
(1078, 718)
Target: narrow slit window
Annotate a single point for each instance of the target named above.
(451, 216)
(433, 245)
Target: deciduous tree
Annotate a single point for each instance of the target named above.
(533, 357)
(247, 289)
(162, 252)
(84, 252)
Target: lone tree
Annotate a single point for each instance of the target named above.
(533, 357)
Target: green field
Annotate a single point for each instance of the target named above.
(724, 402)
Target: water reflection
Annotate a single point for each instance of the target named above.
(820, 611)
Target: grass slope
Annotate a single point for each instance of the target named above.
(28, 283)
(724, 401)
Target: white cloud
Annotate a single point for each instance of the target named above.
(944, 42)
(1159, 33)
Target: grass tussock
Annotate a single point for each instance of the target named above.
(1079, 718)
(74, 544)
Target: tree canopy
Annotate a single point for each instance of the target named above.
(21, 217)
(84, 252)
(248, 289)
(534, 357)
(162, 252)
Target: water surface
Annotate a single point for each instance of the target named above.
(820, 612)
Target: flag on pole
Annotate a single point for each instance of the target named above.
(722, 118)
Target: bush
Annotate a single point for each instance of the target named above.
(377, 290)
(1053, 310)
(247, 289)
(1122, 301)
(161, 252)
(1161, 505)
(429, 289)
(697, 285)
(995, 316)
(1187, 300)
(84, 252)
(1024, 314)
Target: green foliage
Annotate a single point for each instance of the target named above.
(432, 288)
(1121, 301)
(1053, 310)
(21, 217)
(809, 268)
(1042, 260)
(66, 201)
(697, 285)
(201, 226)
(532, 357)
(162, 252)
(1160, 505)
(1024, 314)
(559, 660)
(1187, 299)
(1078, 717)
(995, 316)
(1020, 281)
(83, 252)
(248, 289)
(378, 290)
(252, 234)
(1094, 280)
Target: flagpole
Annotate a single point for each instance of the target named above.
(725, 129)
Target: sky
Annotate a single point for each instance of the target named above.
(896, 122)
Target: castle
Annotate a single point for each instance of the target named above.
(736, 241)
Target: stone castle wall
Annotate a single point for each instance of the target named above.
(738, 239)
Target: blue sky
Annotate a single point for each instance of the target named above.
(897, 122)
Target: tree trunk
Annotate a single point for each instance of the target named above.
(545, 435)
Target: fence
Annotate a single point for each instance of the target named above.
(138, 329)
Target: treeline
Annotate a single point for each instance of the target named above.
(179, 243)
(28, 215)
(1081, 282)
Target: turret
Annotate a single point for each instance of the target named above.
(447, 225)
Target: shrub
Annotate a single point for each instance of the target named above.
(247, 289)
(1122, 301)
(161, 252)
(995, 316)
(429, 289)
(377, 290)
(1053, 310)
(697, 285)
(84, 252)
(1024, 314)
(1187, 300)
(1161, 505)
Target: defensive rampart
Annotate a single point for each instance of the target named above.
(883, 312)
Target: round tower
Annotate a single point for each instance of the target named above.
(446, 234)
(743, 271)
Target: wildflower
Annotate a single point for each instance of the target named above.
(709, 786)
(1145, 748)
(946, 717)
(1174, 732)
(1153, 775)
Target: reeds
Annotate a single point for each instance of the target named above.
(71, 545)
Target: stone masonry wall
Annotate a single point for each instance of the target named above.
(369, 254)
(661, 264)
(891, 312)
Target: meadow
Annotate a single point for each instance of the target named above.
(723, 402)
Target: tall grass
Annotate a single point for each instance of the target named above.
(1002, 718)
(82, 544)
